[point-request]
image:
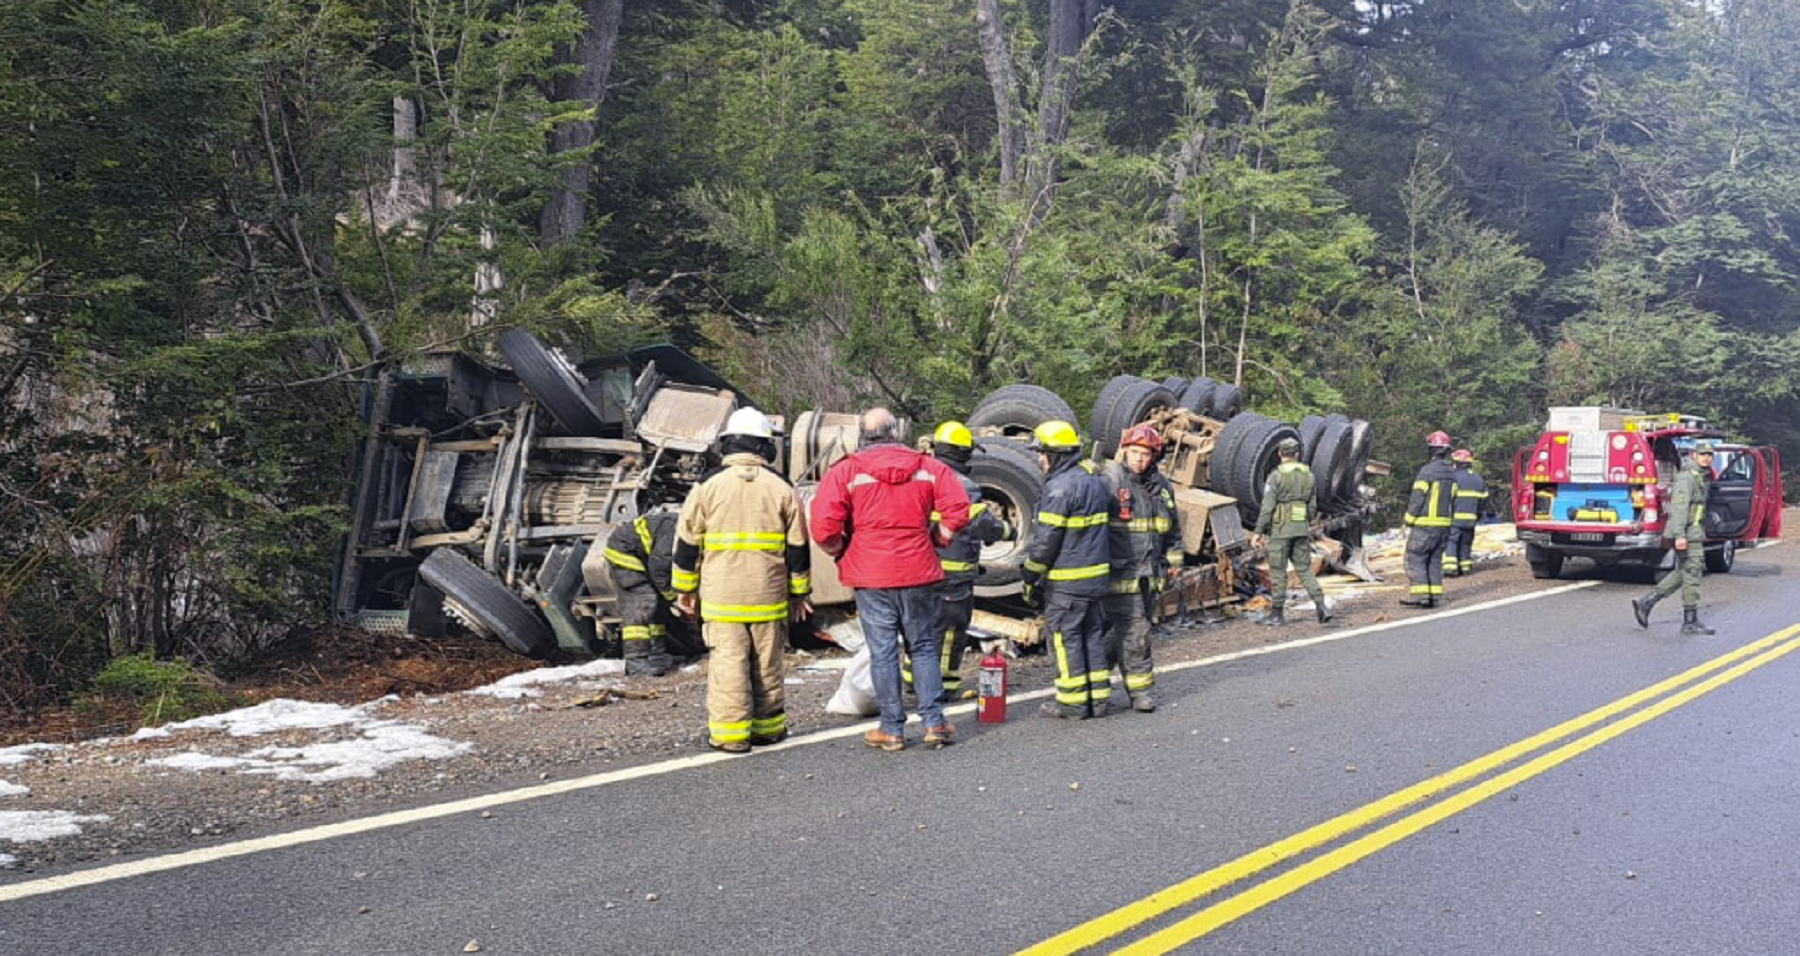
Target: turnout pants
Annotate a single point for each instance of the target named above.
(1425, 563)
(1685, 575)
(1297, 552)
(1128, 638)
(1078, 641)
(1458, 553)
(644, 622)
(745, 692)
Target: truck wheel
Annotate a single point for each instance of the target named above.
(1362, 446)
(1224, 455)
(553, 382)
(1175, 384)
(1309, 429)
(1017, 409)
(1197, 396)
(1012, 484)
(1721, 559)
(1545, 565)
(1331, 463)
(1125, 401)
(480, 601)
(1226, 401)
(1255, 457)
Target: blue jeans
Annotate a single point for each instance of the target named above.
(885, 614)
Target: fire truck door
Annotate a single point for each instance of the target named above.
(1731, 499)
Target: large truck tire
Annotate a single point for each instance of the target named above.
(1197, 396)
(1226, 402)
(1175, 384)
(1224, 453)
(1017, 409)
(1309, 429)
(1129, 403)
(1362, 447)
(1331, 462)
(1012, 484)
(1256, 456)
(553, 382)
(487, 605)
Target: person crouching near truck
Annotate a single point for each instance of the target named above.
(741, 556)
(1686, 533)
(1144, 539)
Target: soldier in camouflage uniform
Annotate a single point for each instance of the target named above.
(1290, 500)
(1684, 531)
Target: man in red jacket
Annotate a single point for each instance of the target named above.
(873, 513)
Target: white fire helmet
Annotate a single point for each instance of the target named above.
(749, 421)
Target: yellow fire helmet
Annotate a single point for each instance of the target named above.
(955, 434)
(1055, 436)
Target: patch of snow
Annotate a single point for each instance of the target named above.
(194, 760)
(10, 756)
(8, 861)
(381, 746)
(515, 686)
(276, 715)
(13, 789)
(31, 826)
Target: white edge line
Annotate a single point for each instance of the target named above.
(330, 831)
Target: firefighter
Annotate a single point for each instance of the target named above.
(1290, 501)
(1685, 532)
(1471, 498)
(1428, 516)
(742, 556)
(953, 445)
(1067, 564)
(1144, 540)
(640, 553)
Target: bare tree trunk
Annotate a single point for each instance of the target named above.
(1067, 31)
(566, 210)
(990, 34)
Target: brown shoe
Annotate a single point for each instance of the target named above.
(883, 740)
(941, 735)
(729, 746)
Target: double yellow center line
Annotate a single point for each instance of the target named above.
(1660, 698)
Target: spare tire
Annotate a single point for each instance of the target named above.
(1309, 429)
(1332, 460)
(1197, 397)
(1012, 484)
(1017, 409)
(1257, 454)
(479, 600)
(553, 382)
(1226, 401)
(1219, 467)
(1130, 403)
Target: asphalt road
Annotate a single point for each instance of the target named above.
(1536, 777)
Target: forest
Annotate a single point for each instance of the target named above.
(219, 219)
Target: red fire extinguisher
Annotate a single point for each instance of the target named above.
(990, 706)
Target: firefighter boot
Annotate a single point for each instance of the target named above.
(1276, 618)
(644, 656)
(1324, 615)
(1690, 622)
(1641, 607)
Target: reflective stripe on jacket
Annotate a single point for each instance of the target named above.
(741, 543)
(1433, 495)
(642, 553)
(1069, 538)
(961, 558)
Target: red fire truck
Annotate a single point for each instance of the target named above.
(1598, 482)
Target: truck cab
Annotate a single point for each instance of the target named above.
(1597, 484)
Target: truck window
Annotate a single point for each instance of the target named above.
(1740, 467)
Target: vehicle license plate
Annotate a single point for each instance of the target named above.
(1587, 537)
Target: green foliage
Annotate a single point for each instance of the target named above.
(160, 691)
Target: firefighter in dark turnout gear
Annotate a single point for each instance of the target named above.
(1066, 568)
(953, 445)
(641, 553)
(1471, 499)
(1685, 532)
(1428, 518)
(1290, 500)
(1144, 539)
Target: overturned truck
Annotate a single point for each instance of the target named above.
(485, 491)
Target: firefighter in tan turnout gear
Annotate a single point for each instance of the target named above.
(1290, 500)
(741, 549)
(1144, 540)
(1067, 565)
